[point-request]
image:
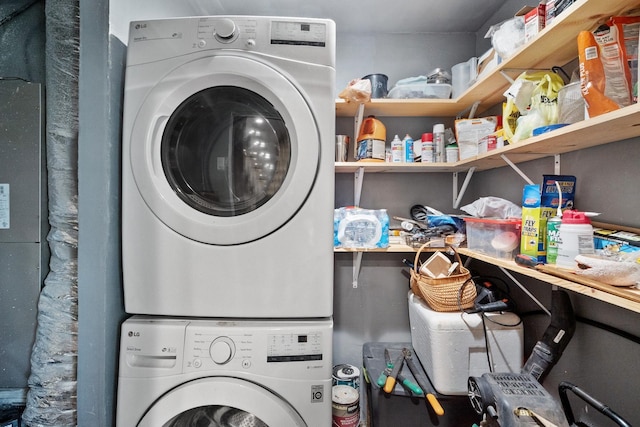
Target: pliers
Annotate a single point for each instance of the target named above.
(387, 379)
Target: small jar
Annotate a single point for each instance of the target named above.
(452, 153)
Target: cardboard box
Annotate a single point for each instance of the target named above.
(550, 197)
(488, 62)
(453, 346)
(470, 134)
(550, 12)
(534, 226)
(534, 20)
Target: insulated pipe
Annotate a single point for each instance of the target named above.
(51, 399)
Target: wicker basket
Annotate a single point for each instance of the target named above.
(455, 292)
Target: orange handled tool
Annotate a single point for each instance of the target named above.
(429, 393)
(391, 378)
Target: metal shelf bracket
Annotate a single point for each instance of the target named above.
(357, 262)
(457, 195)
(517, 169)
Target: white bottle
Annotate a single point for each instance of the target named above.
(427, 148)
(408, 148)
(575, 238)
(438, 143)
(397, 150)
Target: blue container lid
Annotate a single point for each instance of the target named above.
(545, 129)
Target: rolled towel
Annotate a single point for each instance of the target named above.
(611, 272)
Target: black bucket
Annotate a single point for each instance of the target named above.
(378, 85)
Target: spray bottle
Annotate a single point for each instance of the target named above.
(397, 150)
(438, 142)
(553, 230)
(407, 143)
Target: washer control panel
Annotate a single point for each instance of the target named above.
(291, 347)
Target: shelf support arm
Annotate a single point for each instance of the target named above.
(525, 290)
(556, 164)
(357, 262)
(358, 179)
(517, 169)
(457, 196)
(357, 122)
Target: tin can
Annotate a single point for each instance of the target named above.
(345, 404)
(553, 237)
(346, 375)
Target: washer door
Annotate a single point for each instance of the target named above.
(221, 401)
(224, 150)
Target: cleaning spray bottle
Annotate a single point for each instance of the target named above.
(553, 230)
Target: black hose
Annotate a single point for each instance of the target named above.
(601, 407)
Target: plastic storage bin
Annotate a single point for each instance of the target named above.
(421, 90)
(499, 238)
(400, 407)
(453, 346)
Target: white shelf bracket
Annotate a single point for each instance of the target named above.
(507, 77)
(525, 290)
(556, 164)
(471, 110)
(357, 122)
(357, 261)
(358, 179)
(517, 169)
(457, 196)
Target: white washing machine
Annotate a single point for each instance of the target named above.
(228, 151)
(222, 373)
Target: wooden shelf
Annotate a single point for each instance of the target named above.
(614, 126)
(626, 298)
(555, 45)
(604, 129)
(385, 167)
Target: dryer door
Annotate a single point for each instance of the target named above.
(224, 149)
(221, 401)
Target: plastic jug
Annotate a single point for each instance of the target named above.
(575, 238)
(371, 140)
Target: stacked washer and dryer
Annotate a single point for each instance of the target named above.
(227, 222)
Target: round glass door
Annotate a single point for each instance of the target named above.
(221, 402)
(224, 149)
(215, 416)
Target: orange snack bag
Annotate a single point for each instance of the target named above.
(603, 79)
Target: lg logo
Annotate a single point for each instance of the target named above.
(134, 334)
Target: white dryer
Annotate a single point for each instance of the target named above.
(180, 372)
(228, 151)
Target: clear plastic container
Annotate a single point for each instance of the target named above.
(421, 90)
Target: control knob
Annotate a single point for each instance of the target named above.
(222, 350)
(225, 30)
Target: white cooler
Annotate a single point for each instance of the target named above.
(453, 346)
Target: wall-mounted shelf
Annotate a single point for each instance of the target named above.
(555, 45)
(606, 128)
(626, 298)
